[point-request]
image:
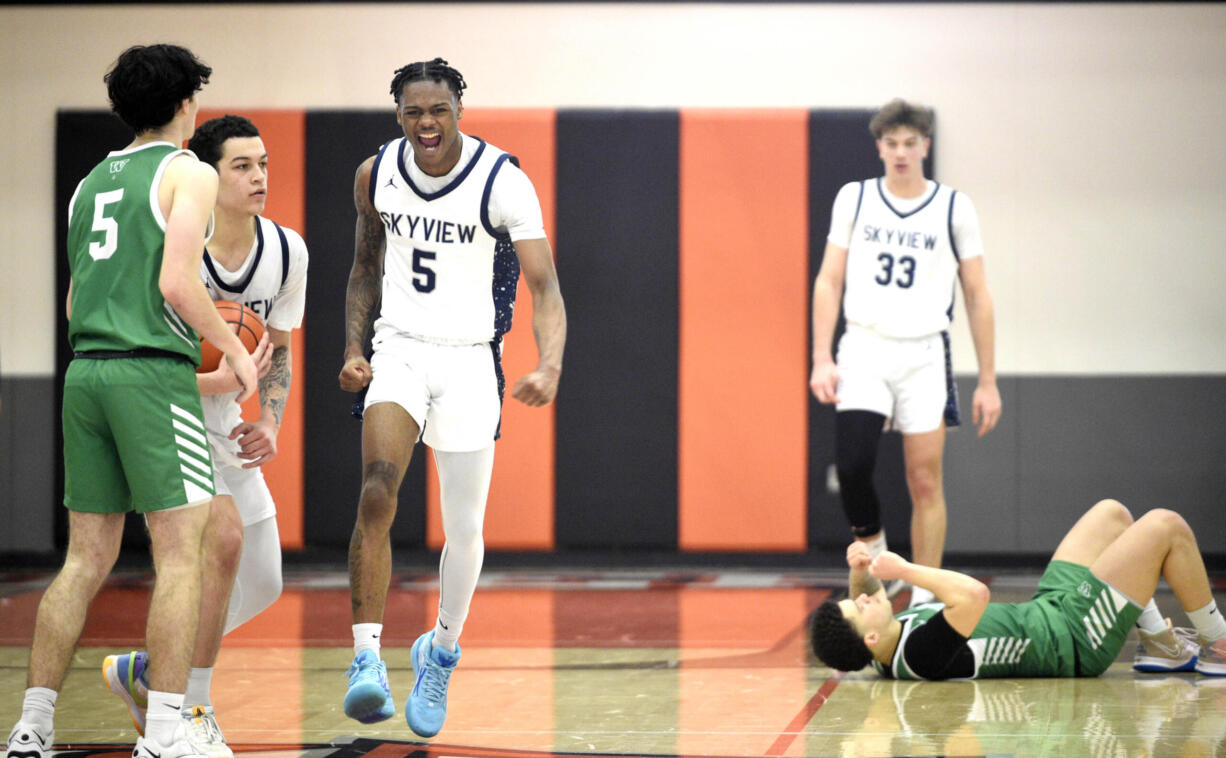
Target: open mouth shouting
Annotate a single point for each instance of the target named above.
(430, 141)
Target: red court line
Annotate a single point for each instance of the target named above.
(806, 714)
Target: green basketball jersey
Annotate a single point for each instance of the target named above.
(116, 234)
(1010, 640)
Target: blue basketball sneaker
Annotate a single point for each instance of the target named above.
(125, 676)
(369, 698)
(426, 708)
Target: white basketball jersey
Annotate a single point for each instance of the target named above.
(901, 267)
(271, 282)
(449, 276)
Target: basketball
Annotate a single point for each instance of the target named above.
(245, 322)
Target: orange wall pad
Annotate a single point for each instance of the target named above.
(743, 327)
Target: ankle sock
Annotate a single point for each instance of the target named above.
(38, 708)
(1208, 622)
(164, 715)
(1151, 621)
(366, 637)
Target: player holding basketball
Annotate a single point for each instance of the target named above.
(445, 222)
(252, 260)
(133, 429)
(897, 245)
(1100, 581)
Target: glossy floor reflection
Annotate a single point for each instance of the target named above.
(684, 663)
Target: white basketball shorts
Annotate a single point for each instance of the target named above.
(453, 392)
(249, 490)
(909, 381)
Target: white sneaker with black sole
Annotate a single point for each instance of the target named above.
(28, 741)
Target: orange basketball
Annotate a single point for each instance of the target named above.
(245, 322)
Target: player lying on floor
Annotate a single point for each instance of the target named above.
(1099, 582)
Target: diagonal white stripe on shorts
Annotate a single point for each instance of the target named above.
(203, 480)
(189, 431)
(194, 463)
(187, 416)
(188, 446)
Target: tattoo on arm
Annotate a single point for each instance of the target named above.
(364, 291)
(274, 386)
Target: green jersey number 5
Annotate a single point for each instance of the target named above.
(103, 223)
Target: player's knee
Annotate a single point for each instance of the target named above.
(1169, 521)
(1114, 510)
(377, 504)
(465, 533)
(265, 592)
(90, 567)
(924, 486)
(224, 546)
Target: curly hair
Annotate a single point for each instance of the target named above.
(835, 641)
(899, 112)
(148, 82)
(210, 136)
(436, 70)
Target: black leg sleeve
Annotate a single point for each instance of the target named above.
(856, 436)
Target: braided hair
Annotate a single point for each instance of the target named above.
(436, 70)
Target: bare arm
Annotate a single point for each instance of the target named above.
(548, 322)
(859, 580)
(258, 439)
(982, 319)
(827, 297)
(364, 290)
(274, 385)
(187, 194)
(965, 597)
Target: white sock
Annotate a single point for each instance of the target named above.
(199, 682)
(1208, 622)
(919, 596)
(366, 637)
(447, 632)
(38, 708)
(876, 545)
(1151, 621)
(164, 715)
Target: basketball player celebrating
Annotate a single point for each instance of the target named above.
(896, 246)
(252, 260)
(445, 221)
(133, 429)
(1100, 581)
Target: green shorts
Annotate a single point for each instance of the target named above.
(1097, 617)
(134, 436)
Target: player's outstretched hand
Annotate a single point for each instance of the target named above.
(537, 388)
(858, 556)
(262, 355)
(888, 566)
(824, 382)
(986, 408)
(355, 374)
(245, 371)
(258, 441)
